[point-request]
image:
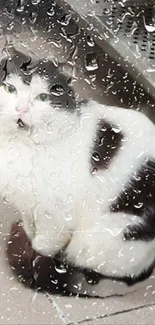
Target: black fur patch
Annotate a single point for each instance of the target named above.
(106, 145)
(138, 198)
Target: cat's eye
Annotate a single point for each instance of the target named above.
(10, 88)
(43, 97)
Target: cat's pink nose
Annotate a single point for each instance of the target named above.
(23, 109)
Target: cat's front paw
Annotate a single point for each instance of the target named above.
(42, 245)
(45, 246)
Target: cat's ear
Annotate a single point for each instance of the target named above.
(16, 60)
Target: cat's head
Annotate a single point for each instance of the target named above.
(32, 93)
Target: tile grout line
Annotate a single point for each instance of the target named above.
(115, 313)
(60, 312)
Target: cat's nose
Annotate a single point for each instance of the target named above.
(22, 109)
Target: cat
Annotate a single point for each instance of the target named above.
(81, 175)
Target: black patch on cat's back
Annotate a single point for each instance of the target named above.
(138, 198)
(106, 145)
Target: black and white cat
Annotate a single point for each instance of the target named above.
(82, 176)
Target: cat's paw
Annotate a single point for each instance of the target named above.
(41, 245)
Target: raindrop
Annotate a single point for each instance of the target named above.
(136, 190)
(116, 129)
(110, 85)
(10, 26)
(138, 205)
(137, 52)
(68, 306)
(5, 200)
(132, 260)
(55, 281)
(35, 261)
(51, 11)
(65, 19)
(33, 17)
(136, 177)
(91, 13)
(104, 128)
(90, 41)
(35, 2)
(53, 42)
(57, 90)
(91, 61)
(20, 5)
(96, 156)
(124, 15)
(149, 28)
(68, 217)
(107, 11)
(110, 74)
(34, 32)
(133, 29)
(69, 198)
(64, 35)
(60, 269)
(23, 20)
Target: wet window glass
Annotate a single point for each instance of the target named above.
(77, 161)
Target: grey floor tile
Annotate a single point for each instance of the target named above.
(140, 316)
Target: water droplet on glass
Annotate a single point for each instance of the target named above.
(96, 156)
(20, 6)
(132, 30)
(117, 129)
(53, 42)
(90, 41)
(129, 13)
(35, 2)
(138, 205)
(68, 306)
(138, 52)
(35, 261)
(54, 281)
(60, 269)
(91, 61)
(136, 177)
(33, 17)
(136, 190)
(35, 36)
(51, 11)
(5, 200)
(110, 74)
(57, 90)
(10, 26)
(68, 215)
(69, 198)
(132, 260)
(150, 28)
(65, 19)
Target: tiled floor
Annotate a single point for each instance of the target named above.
(118, 304)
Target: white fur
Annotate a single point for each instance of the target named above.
(45, 173)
